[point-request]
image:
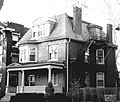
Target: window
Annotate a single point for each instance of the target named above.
(100, 79)
(40, 30)
(87, 59)
(0, 61)
(31, 80)
(1, 50)
(0, 77)
(53, 52)
(23, 54)
(55, 78)
(100, 56)
(32, 56)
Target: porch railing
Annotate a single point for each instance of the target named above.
(36, 89)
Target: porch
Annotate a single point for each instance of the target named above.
(34, 79)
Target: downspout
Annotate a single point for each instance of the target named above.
(68, 64)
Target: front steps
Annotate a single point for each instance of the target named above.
(7, 97)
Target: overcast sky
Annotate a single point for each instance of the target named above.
(26, 11)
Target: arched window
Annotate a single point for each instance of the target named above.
(100, 56)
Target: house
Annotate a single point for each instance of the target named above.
(10, 34)
(62, 49)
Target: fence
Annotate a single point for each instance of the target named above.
(96, 95)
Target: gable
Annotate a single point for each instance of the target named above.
(13, 65)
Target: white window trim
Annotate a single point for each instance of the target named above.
(44, 27)
(53, 77)
(1, 77)
(31, 81)
(35, 54)
(23, 57)
(87, 56)
(97, 80)
(54, 59)
(103, 62)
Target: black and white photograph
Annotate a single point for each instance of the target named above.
(59, 50)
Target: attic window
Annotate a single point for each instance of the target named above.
(42, 28)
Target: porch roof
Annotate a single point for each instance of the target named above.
(30, 66)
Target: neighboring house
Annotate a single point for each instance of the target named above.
(62, 49)
(10, 34)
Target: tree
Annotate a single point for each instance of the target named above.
(1, 3)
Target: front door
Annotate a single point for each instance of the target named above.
(13, 82)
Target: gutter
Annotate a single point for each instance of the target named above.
(68, 63)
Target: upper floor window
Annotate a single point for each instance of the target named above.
(0, 77)
(32, 54)
(87, 56)
(100, 79)
(27, 54)
(53, 52)
(23, 54)
(1, 50)
(100, 56)
(42, 27)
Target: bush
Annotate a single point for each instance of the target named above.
(49, 91)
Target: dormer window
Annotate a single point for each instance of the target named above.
(42, 28)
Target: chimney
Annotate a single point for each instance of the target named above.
(77, 22)
(109, 33)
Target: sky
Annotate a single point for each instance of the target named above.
(26, 11)
(94, 11)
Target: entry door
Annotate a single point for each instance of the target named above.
(13, 82)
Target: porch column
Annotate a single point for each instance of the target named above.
(7, 86)
(19, 81)
(49, 74)
(23, 75)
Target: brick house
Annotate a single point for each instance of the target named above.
(10, 34)
(62, 49)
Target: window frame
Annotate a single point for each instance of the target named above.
(35, 54)
(31, 82)
(98, 79)
(52, 55)
(0, 77)
(40, 30)
(101, 57)
(55, 78)
(23, 55)
(87, 56)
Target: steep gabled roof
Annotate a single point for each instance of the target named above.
(62, 29)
